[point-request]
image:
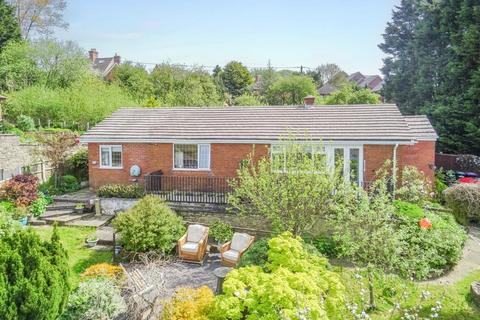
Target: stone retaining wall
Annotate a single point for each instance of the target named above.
(201, 213)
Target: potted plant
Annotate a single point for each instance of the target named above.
(221, 232)
(91, 241)
(20, 214)
(79, 207)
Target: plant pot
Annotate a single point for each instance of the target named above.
(78, 210)
(91, 243)
(23, 221)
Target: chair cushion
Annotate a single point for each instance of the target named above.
(231, 255)
(190, 247)
(240, 241)
(195, 232)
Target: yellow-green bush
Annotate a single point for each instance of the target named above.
(189, 304)
(296, 285)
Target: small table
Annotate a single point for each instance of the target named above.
(221, 273)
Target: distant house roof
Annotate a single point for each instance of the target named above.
(327, 89)
(372, 82)
(103, 65)
(421, 127)
(374, 124)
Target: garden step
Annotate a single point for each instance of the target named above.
(56, 213)
(61, 206)
(92, 221)
(64, 219)
(36, 222)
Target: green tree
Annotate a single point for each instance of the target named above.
(39, 17)
(9, 29)
(432, 66)
(61, 63)
(33, 276)
(134, 79)
(284, 190)
(291, 90)
(352, 94)
(324, 73)
(17, 67)
(236, 78)
(267, 76)
(247, 100)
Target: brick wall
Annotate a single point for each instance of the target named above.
(151, 157)
(421, 155)
(225, 159)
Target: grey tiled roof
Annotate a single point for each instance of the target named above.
(421, 127)
(327, 89)
(367, 123)
(103, 65)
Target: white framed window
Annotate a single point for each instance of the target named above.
(191, 156)
(111, 157)
(347, 158)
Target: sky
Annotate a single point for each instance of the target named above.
(211, 32)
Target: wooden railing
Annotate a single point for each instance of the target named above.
(189, 188)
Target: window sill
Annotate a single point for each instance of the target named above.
(184, 169)
(110, 168)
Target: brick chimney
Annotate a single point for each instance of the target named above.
(308, 101)
(116, 59)
(93, 54)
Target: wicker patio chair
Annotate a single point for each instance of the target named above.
(232, 251)
(193, 245)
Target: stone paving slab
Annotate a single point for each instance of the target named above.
(93, 221)
(77, 196)
(55, 213)
(63, 219)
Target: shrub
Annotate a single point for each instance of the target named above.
(25, 123)
(325, 245)
(289, 288)
(257, 255)
(149, 225)
(106, 270)
(21, 189)
(408, 210)
(96, 298)
(33, 276)
(120, 191)
(38, 207)
(66, 184)
(221, 231)
(428, 253)
(77, 164)
(464, 200)
(189, 304)
(413, 186)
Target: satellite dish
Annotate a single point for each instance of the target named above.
(135, 171)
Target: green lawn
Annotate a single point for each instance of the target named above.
(79, 256)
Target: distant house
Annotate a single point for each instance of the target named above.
(213, 142)
(103, 66)
(372, 82)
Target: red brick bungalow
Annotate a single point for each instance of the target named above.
(213, 141)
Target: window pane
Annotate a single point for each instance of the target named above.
(319, 161)
(339, 160)
(354, 164)
(105, 157)
(116, 156)
(186, 156)
(204, 161)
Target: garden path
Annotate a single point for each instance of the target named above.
(470, 260)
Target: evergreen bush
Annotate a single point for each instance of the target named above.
(150, 225)
(33, 276)
(120, 191)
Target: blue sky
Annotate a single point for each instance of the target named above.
(210, 32)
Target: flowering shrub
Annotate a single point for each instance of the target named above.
(104, 270)
(464, 200)
(21, 190)
(149, 225)
(96, 298)
(189, 304)
(413, 186)
(295, 285)
(120, 191)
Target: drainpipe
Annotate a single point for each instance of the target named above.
(394, 170)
